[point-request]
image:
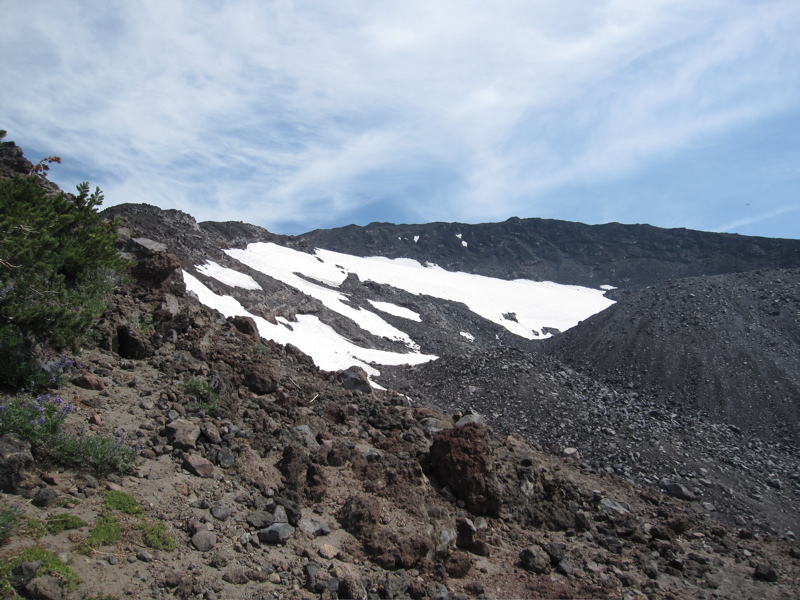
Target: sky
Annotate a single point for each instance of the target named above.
(318, 114)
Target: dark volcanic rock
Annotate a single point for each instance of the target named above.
(728, 345)
(461, 459)
(570, 253)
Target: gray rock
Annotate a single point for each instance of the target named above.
(535, 559)
(438, 591)
(306, 436)
(144, 556)
(676, 490)
(45, 587)
(765, 572)
(15, 459)
(279, 533)
(355, 378)
(466, 532)
(204, 540)
(608, 505)
(555, 551)
(280, 515)
(313, 528)
(45, 497)
(211, 433)
(23, 573)
(236, 576)
(183, 434)
(613, 544)
(225, 458)
(220, 513)
(565, 567)
(260, 519)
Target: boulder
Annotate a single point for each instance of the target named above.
(246, 325)
(89, 381)
(197, 465)
(204, 540)
(45, 587)
(355, 378)
(279, 533)
(15, 459)
(183, 434)
(535, 560)
(461, 459)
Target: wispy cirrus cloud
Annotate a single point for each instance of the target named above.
(295, 116)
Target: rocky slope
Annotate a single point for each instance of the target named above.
(303, 484)
(625, 256)
(726, 345)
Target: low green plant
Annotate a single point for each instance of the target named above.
(51, 565)
(40, 419)
(96, 452)
(156, 536)
(32, 528)
(57, 523)
(204, 392)
(34, 419)
(121, 501)
(106, 531)
(260, 349)
(10, 520)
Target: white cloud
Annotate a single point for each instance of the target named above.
(272, 112)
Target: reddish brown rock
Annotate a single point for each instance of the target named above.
(89, 381)
(197, 465)
(461, 459)
(263, 377)
(246, 325)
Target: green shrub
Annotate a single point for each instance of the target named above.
(10, 518)
(34, 419)
(204, 392)
(106, 532)
(40, 420)
(123, 502)
(58, 261)
(96, 452)
(157, 537)
(57, 523)
(58, 266)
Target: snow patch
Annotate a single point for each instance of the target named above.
(537, 304)
(607, 287)
(469, 336)
(329, 350)
(398, 311)
(228, 276)
(416, 239)
(286, 265)
(463, 243)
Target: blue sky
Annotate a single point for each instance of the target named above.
(299, 115)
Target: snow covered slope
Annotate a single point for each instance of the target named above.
(528, 309)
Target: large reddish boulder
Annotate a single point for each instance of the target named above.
(461, 459)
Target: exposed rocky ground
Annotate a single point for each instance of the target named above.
(626, 256)
(726, 345)
(724, 472)
(301, 484)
